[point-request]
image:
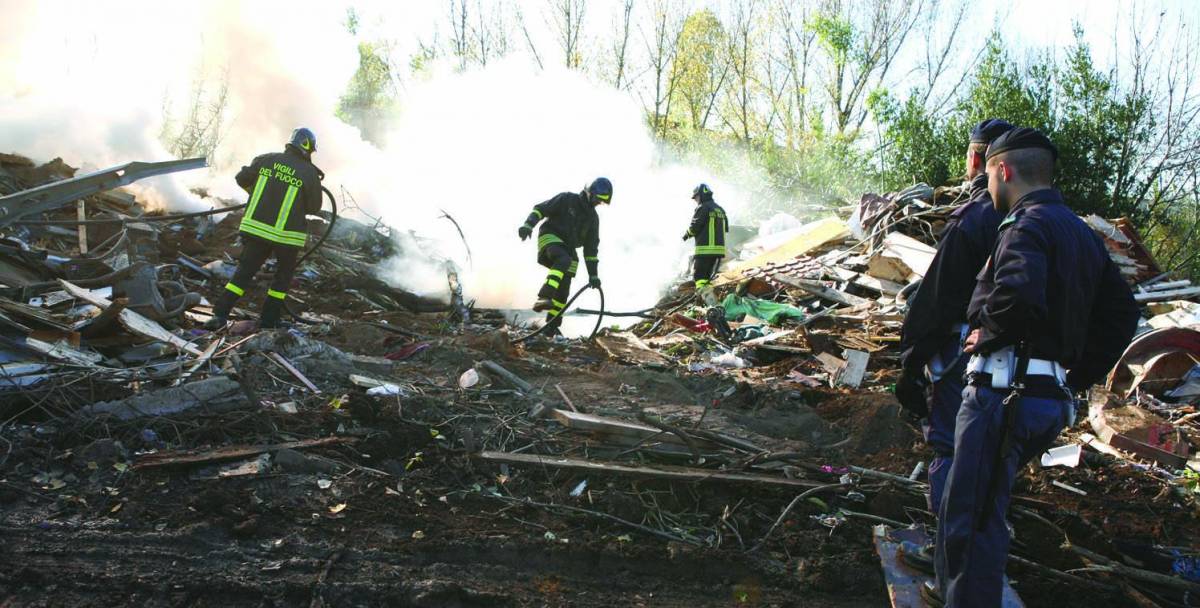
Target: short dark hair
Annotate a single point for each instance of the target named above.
(1033, 165)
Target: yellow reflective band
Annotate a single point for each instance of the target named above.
(712, 229)
(553, 283)
(710, 250)
(286, 209)
(573, 268)
(701, 282)
(559, 305)
(547, 239)
(591, 259)
(283, 237)
(235, 289)
(278, 295)
(538, 213)
(256, 195)
(603, 197)
(556, 273)
(554, 312)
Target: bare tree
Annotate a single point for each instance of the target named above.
(620, 45)
(942, 44)
(460, 44)
(739, 115)
(798, 40)
(567, 19)
(202, 127)
(490, 33)
(528, 39)
(861, 40)
(661, 45)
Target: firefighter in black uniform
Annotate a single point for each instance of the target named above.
(571, 222)
(709, 226)
(284, 187)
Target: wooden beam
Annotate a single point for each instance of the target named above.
(231, 452)
(1172, 294)
(625, 432)
(822, 291)
(664, 472)
(133, 321)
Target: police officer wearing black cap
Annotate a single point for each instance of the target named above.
(935, 325)
(1048, 300)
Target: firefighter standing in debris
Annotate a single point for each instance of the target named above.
(1048, 300)
(284, 187)
(931, 357)
(570, 222)
(708, 227)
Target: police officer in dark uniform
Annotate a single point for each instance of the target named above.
(284, 188)
(1048, 300)
(935, 325)
(708, 227)
(571, 222)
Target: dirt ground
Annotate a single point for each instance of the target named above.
(407, 515)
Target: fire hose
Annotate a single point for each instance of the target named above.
(595, 330)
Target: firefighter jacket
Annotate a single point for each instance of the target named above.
(709, 226)
(284, 187)
(572, 221)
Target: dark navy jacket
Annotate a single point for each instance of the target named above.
(941, 302)
(1051, 283)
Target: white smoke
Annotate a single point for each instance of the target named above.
(89, 82)
(487, 145)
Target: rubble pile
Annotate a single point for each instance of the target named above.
(393, 448)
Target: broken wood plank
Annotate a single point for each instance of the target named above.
(63, 351)
(204, 357)
(827, 293)
(808, 237)
(665, 472)
(618, 431)
(33, 313)
(232, 452)
(81, 214)
(1172, 294)
(883, 286)
(1164, 286)
(133, 321)
(291, 369)
(514, 380)
(566, 399)
(626, 347)
(903, 581)
(1133, 429)
(856, 367)
(831, 363)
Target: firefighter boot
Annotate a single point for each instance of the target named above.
(708, 295)
(272, 311)
(221, 311)
(543, 304)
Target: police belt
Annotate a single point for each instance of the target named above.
(1043, 377)
(936, 369)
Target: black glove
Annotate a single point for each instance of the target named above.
(910, 392)
(593, 281)
(687, 235)
(524, 231)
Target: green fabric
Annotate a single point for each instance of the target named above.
(771, 312)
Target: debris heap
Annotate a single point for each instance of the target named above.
(387, 443)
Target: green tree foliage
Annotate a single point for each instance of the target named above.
(702, 64)
(371, 95)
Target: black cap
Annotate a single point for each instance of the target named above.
(988, 130)
(1019, 138)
